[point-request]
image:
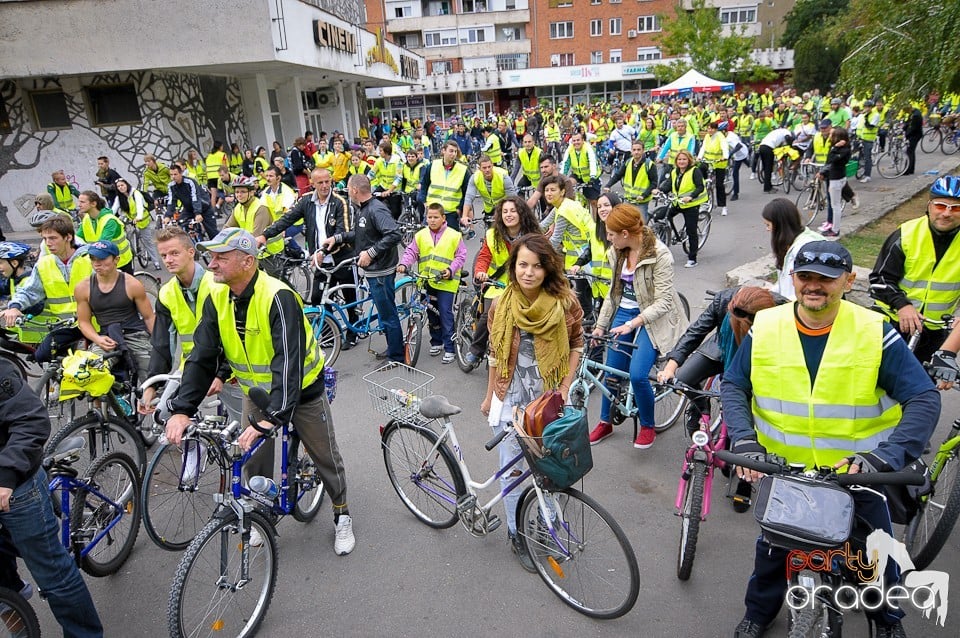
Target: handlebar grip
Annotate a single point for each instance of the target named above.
(495, 441)
(882, 478)
(751, 464)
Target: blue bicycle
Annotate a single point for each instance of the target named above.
(330, 318)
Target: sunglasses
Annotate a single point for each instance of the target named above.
(830, 260)
(944, 207)
(743, 314)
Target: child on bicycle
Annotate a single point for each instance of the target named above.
(439, 253)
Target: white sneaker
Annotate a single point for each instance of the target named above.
(723, 211)
(256, 540)
(690, 264)
(864, 179)
(448, 357)
(435, 350)
(344, 541)
(855, 202)
(752, 175)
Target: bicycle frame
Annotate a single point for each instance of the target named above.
(626, 404)
(340, 312)
(702, 450)
(67, 485)
(944, 453)
(239, 491)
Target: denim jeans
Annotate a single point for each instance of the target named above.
(441, 327)
(638, 361)
(866, 156)
(381, 289)
(35, 533)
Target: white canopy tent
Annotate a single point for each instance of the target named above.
(692, 82)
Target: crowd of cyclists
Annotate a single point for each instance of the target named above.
(536, 179)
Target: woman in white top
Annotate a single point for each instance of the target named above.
(787, 236)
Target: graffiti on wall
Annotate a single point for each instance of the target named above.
(178, 111)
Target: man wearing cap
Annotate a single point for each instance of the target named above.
(119, 304)
(256, 323)
(838, 115)
(867, 131)
(825, 382)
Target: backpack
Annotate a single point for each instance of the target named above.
(148, 200)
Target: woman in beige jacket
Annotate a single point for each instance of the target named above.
(642, 308)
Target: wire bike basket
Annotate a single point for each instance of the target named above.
(396, 390)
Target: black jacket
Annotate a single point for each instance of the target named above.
(836, 166)
(375, 231)
(24, 428)
(336, 222)
(188, 193)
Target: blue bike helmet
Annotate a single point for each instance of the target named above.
(13, 250)
(946, 186)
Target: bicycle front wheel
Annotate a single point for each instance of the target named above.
(428, 482)
(412, 331)
(667, 406)
(103, 531)
(810, 202)
(17, 616)
(950, 144)
(306, 485)
(891, 165)
(588, 561)
(464, 325)
(704, 221)
(174, 509)
(102, 436)
(207, 596)
(690, 520)
(326, 331)
(930, 527)
(931, 140)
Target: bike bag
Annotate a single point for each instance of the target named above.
(562, 456)
(795, 512)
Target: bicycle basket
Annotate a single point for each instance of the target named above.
(798, 513)
(562, 456)
(85, 372)
(396, 390)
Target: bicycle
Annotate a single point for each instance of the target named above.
(893, 162)
(812, 199)
(785, 169)
(99, 514)
(814, 613)
(467, 313)
(933, 135)
(17, 615)
(222, 582)
(661, 222)
(409, 220)
(614, 384)
(330, 317)
(950, 143)
(294, 268)
(578, 549)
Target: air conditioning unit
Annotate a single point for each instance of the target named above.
(632, 33)
(326, 98)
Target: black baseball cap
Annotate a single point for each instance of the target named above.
(827, 258)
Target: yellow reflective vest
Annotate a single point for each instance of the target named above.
(530, 165)
(34, 330)
(213, 164)
(244, 215)
(599, 266)
(685, 187)
(62, 197)
(821, 147)
(92, 233)
(496, 192)
(634, 185)
(844, 412)
(578, 233)
(57, 291)
(445, 185)
(434, 259)
(713, 150)
(183, 316)
(499, 254)
(250, 357)
(411, 176)
(494, 151)
(933, 289)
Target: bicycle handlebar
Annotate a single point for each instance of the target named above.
(845, 480)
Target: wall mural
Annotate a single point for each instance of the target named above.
(179, 112)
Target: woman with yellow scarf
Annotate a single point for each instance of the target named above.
(536, 338)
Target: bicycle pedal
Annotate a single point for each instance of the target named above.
(466, 503)
(493, 523)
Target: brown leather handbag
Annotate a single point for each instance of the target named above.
(542, 411)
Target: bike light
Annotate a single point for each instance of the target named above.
(700, 438)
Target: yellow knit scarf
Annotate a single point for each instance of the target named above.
(544, 318)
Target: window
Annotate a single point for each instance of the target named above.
(441, 66)
(50, 109)
(511, 34)
(646, 24)
(561, 59)
(616, 55)
(402, 12)
(472, 35)
(511, 5)
(473, 6)
(559, 30)
(113, 104)
(616, 26)
(596, 28)
(738, 15)
(595, 2)
(615, 1)
(560, 4)
(440, 38)
(648, 53)
(513, 61)
(596, 57)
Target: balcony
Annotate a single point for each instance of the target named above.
(430, 23)
(478, 50)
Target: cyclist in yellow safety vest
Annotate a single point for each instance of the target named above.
(487, 187)
(823, 382)
(177, 310)
(639, 177)
(323, 158)
(679, 139)
(279, 198)
(193, 166)
(273, 353)
(491, 146)
(13, 267)
(387, 175)
(410, 178)
(439, 253)
(214, 161)
(261, 164)
(580, 162)
(820, 146)
(98, 222)
(63, 193)
(529, 163)
(916, 279)
(572, 224)
(130, 205)
(253, 216)
(687, 184)
(596, 256)
(52, 283)
(235, 160)
(714, 152)
(867, 131)
(156, 176)
(551, 136)
(446, 182)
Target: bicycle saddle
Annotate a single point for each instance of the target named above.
(68, 452)
(9, 342)
(437, 407)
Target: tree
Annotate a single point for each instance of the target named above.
(908, 49)
(807, 16)
(816, 63)
(696, 39)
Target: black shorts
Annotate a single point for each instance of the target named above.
(213, 183)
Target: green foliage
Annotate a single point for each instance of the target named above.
(907, 48)
(816, 63)
(696, 35)
(809, 16)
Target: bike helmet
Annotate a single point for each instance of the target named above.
(242, 181)
(723, 126)
(13, 250)
(946, 186)
(36, 219)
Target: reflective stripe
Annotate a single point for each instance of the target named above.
(445, 189)
(59, 299)
(934, 285)
(826, 411)
(253, 367)
(820, 442)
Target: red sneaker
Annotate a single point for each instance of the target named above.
(599, 433)
(645, 438)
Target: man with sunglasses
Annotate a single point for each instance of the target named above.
(916, 279)
(825, 382)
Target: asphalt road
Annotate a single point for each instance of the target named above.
(405, 579)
